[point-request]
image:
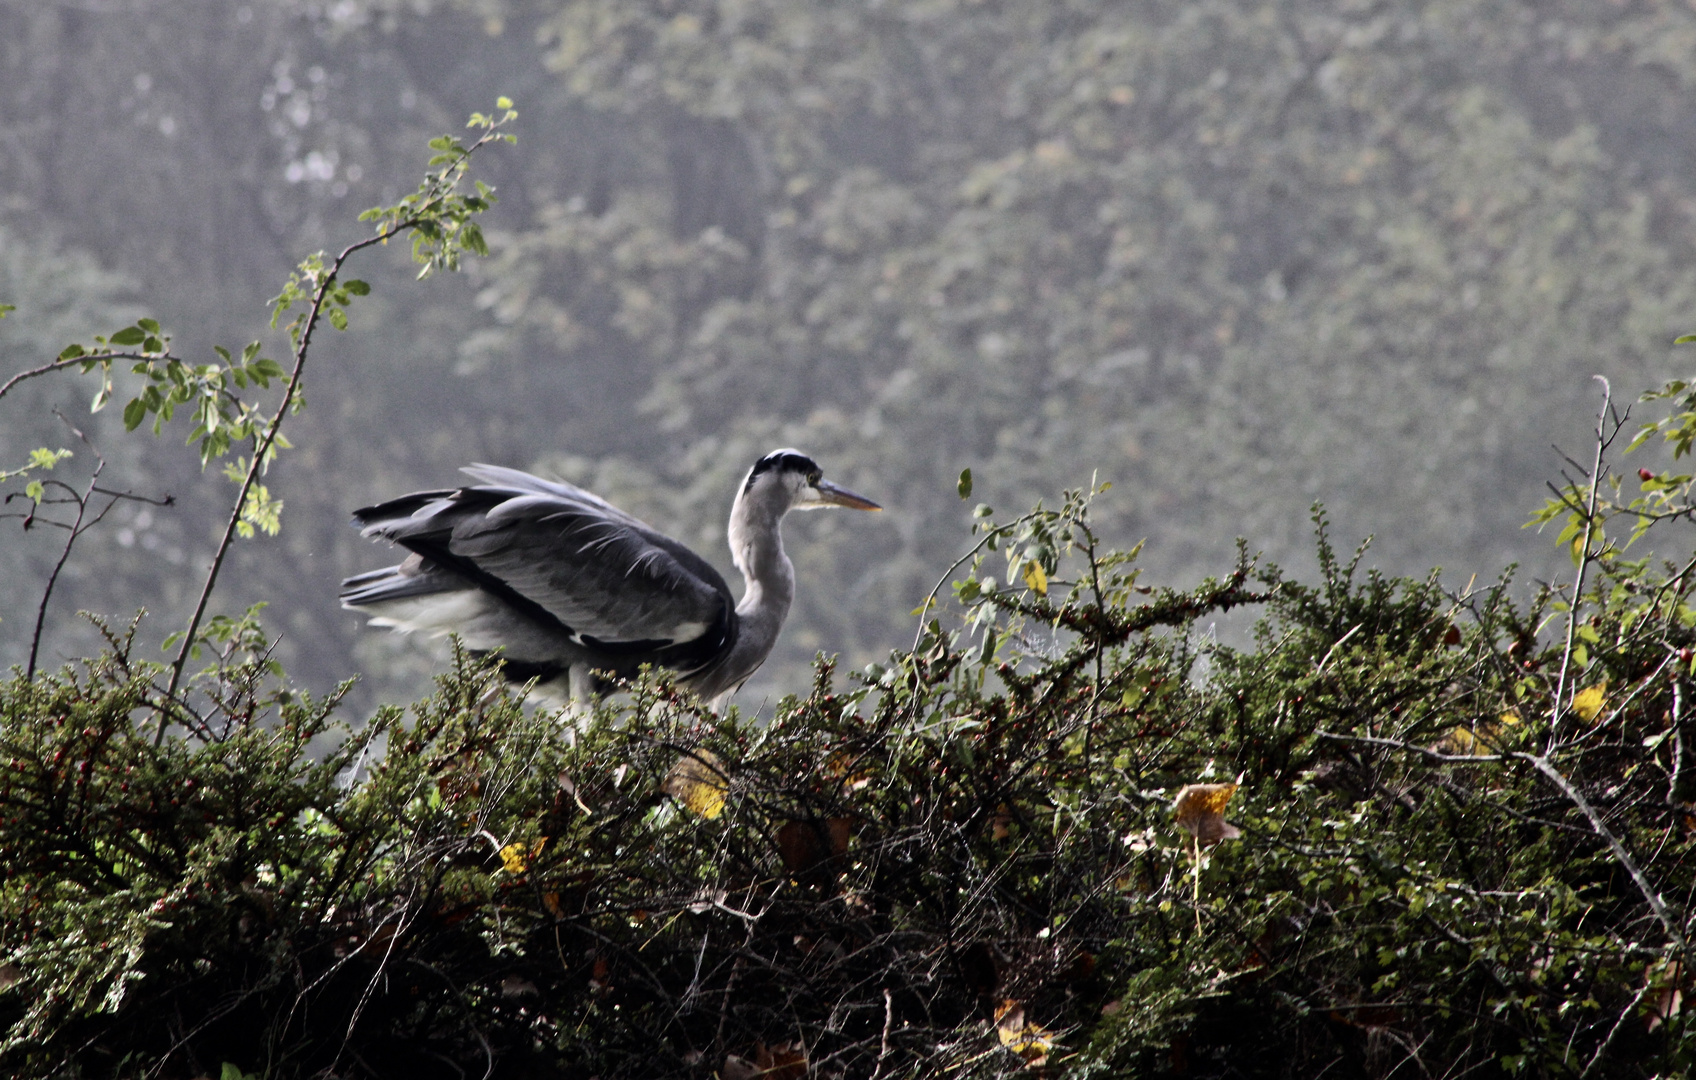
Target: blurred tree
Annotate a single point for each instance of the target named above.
(1235, 256)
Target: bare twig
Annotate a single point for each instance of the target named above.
(1320, 669)
(1576, 797)
(1603, 440)
(1624, 1015)
(83, 521)
(888, 1022)
(1675, 783)
(1623, 857)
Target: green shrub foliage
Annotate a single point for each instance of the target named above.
(963, 862)
(1409, 831)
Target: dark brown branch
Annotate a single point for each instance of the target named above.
(60, 365)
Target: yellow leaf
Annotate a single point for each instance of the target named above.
(1029, 1041)
(1458, 741)
(1036, 579)
(841, 766)
(515, 857)
(1587, 703)
(1201, 812)
(699, 783)
(1485, 738)
(512, 857)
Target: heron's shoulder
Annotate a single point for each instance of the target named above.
(515, 493)
(501, 477)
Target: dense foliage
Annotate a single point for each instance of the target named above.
(960, 862)
(1411, 829)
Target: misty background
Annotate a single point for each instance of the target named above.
(1234, 257)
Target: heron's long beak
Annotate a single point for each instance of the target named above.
(831, 495)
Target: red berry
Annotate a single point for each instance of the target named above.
(1645, 475)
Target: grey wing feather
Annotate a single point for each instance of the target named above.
(414, 577)
(501, 477)
(609, 578)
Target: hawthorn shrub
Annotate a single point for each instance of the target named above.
(1462, 849)
(1410, 832)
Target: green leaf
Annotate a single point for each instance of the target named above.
(134, 413)
(1684, 339)
(4, 308)
(964, 487)
(71, 352)
(357, 287)
(503, 102)
(34, 490)
(148, 325)
(129, 335)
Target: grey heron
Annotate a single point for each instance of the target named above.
(567, 584)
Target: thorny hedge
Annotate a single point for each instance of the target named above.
(1459, 842)
(961, 863)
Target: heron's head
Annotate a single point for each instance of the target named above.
(790, 480)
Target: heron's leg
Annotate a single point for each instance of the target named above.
(580, 703)
(582, 685)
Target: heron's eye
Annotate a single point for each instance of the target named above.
(813, 478)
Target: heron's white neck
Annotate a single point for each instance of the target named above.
(756, 546)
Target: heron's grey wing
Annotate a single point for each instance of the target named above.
(609, 579)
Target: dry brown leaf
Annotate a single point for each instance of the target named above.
(736, 1068)
(517, 986)
(1201, 812)
(785, 1061)
(1665, 998)
(841, 766)
(805, 845)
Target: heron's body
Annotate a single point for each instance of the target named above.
(565, 583)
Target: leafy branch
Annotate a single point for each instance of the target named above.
(439, 217)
